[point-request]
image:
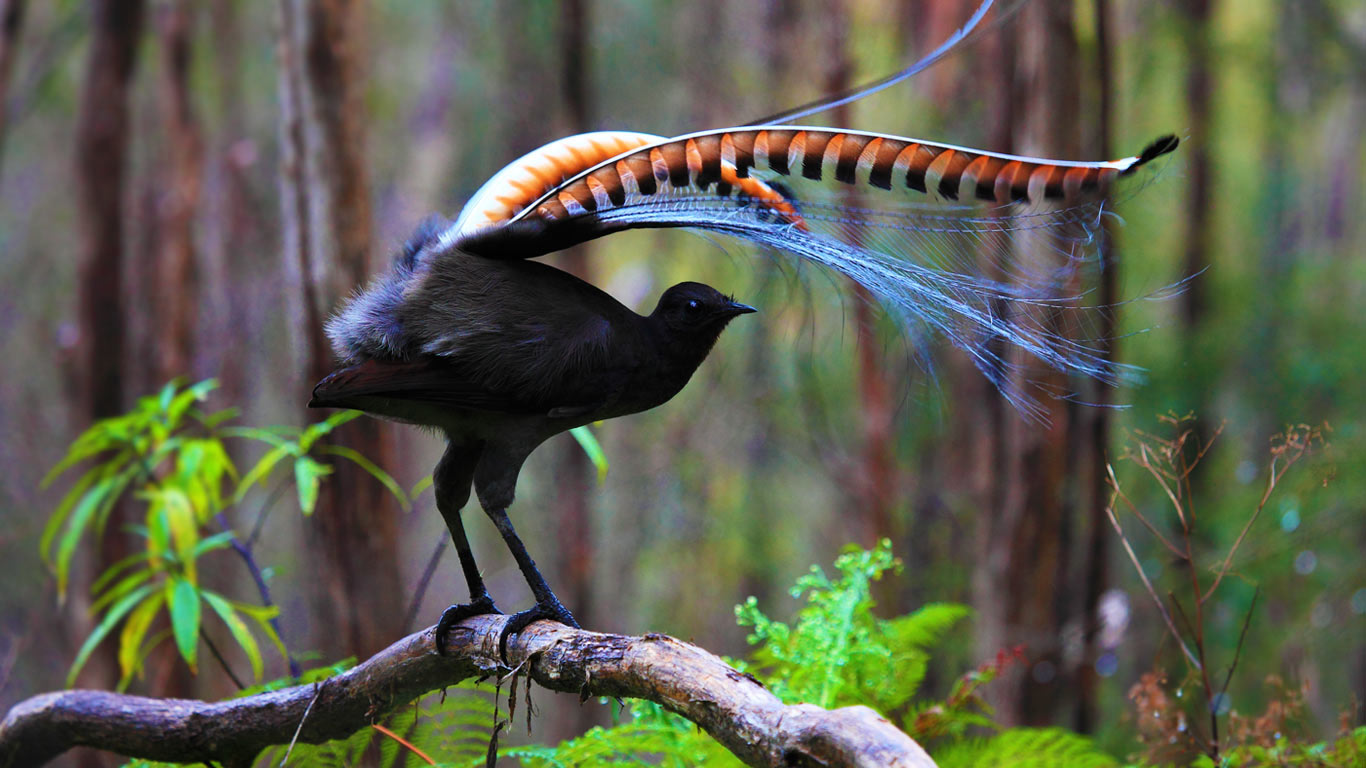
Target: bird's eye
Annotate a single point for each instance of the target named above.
(693, 306)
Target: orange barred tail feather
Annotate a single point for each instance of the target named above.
(715, 160)
(978, 245)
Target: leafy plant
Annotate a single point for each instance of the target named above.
(1168, 731)
(169, 455)
(839, 653)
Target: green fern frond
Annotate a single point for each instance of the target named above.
(1026, 748)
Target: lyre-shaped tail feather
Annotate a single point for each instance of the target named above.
(985, 247)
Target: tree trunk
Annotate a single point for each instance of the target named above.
(102, 138)
(173, 289)
(11, 22)
(325, 202)
(1026, 537)
(1194, 300)
(1095, 420)
(876, 478)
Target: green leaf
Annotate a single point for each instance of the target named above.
(113, 571)
(195, 393)
(263, 615)
(314, 432)
(212, 421)
(167, 394)
(54, 523)
(308, 474)
(81, 517)
(261, 470)
(173, 507)
(212, 543)
(589, 443)
(134, 631)
(239, 631)
(184, 602)
(420, 486)
(120, 609)
(124, 586)
(271, 435)
(383, 477)
(93, 441)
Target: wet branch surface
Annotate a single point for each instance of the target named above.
(732, 707)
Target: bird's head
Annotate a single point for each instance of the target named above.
(694, 310)
(690, 317)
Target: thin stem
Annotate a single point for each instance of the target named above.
(244, 551)
(1133, 510)
(1161, 607)
(222, 662)
(1147, 464)
(1199, 625)
(1266, 496)
(1237, 652)
(265, 512)
(427, 574)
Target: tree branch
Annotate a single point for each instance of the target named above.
(733, 707)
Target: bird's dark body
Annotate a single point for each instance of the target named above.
(502, 354)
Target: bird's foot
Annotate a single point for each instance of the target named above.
(455, 614)
(517, 622)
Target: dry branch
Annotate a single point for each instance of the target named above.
(734, 708)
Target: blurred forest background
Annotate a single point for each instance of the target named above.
(181, 195)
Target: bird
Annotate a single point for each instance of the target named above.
(466, 334)
(500, 355)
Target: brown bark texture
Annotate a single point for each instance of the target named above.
(1021, 587)
(102, 139)
(11, 22)
(101, 162)
(326, 220)
(733, 707)
(1095, 421)
(175, 291)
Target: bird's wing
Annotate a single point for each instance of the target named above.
(991, 250)
(426, 379)
(529, 366)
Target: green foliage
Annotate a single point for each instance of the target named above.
(1347, 751)
(1025, 748)
(169, 455)
(837, 653)
(840, 653)
(589, 443)
(453, 728)
(653, 737)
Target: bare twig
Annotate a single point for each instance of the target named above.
(1161, 607)
(428, 572)
(222, 662)
(1133, 510)
(733, 708)
(1299, 448)
(408, 745)
(317, 693)
(1237, 652)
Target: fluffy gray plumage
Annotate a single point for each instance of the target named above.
(501, 354)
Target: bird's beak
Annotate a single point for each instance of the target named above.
(736, 308)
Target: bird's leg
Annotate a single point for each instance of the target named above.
(547, 605)
(452, 486)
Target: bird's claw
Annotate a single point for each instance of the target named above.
(455, 614)
(517, 622)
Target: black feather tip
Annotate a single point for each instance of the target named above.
(1155, 150)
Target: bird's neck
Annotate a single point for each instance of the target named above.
(678, 355)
